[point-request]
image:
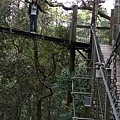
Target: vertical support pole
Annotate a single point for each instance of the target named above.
(107, 103)
(111, 27)
(73, 38)
(117, 19)
(72, 52)
(73, 98)
(93, 45)
(94, 23)
(74, 23)
(93, 51)
(117, 22)
(96, 14)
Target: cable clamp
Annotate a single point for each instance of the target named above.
(98, 65)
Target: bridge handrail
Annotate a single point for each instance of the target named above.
(102, 69)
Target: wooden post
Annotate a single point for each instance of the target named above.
(72, 51)
(111, 27)
(73, 38)
(117, 22)
(117, 19)
(118, 51)
(93, 54)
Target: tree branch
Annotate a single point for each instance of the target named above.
(84, 7)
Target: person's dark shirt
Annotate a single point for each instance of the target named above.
(38, 8)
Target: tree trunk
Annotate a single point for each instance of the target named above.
(69, 98)
(48, 106)
(39, 114)
(37, 66)
(16, 113)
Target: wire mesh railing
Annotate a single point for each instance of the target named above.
(107, 101)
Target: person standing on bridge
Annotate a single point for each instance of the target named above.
(33, 10)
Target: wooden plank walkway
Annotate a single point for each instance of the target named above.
(65, 42)
(107, 50)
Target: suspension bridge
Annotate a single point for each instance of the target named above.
(102, 100)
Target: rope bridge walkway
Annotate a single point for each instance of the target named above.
(107, 50)
(108, 82)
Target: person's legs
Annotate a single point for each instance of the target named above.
(31, 23)
(35, 23)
